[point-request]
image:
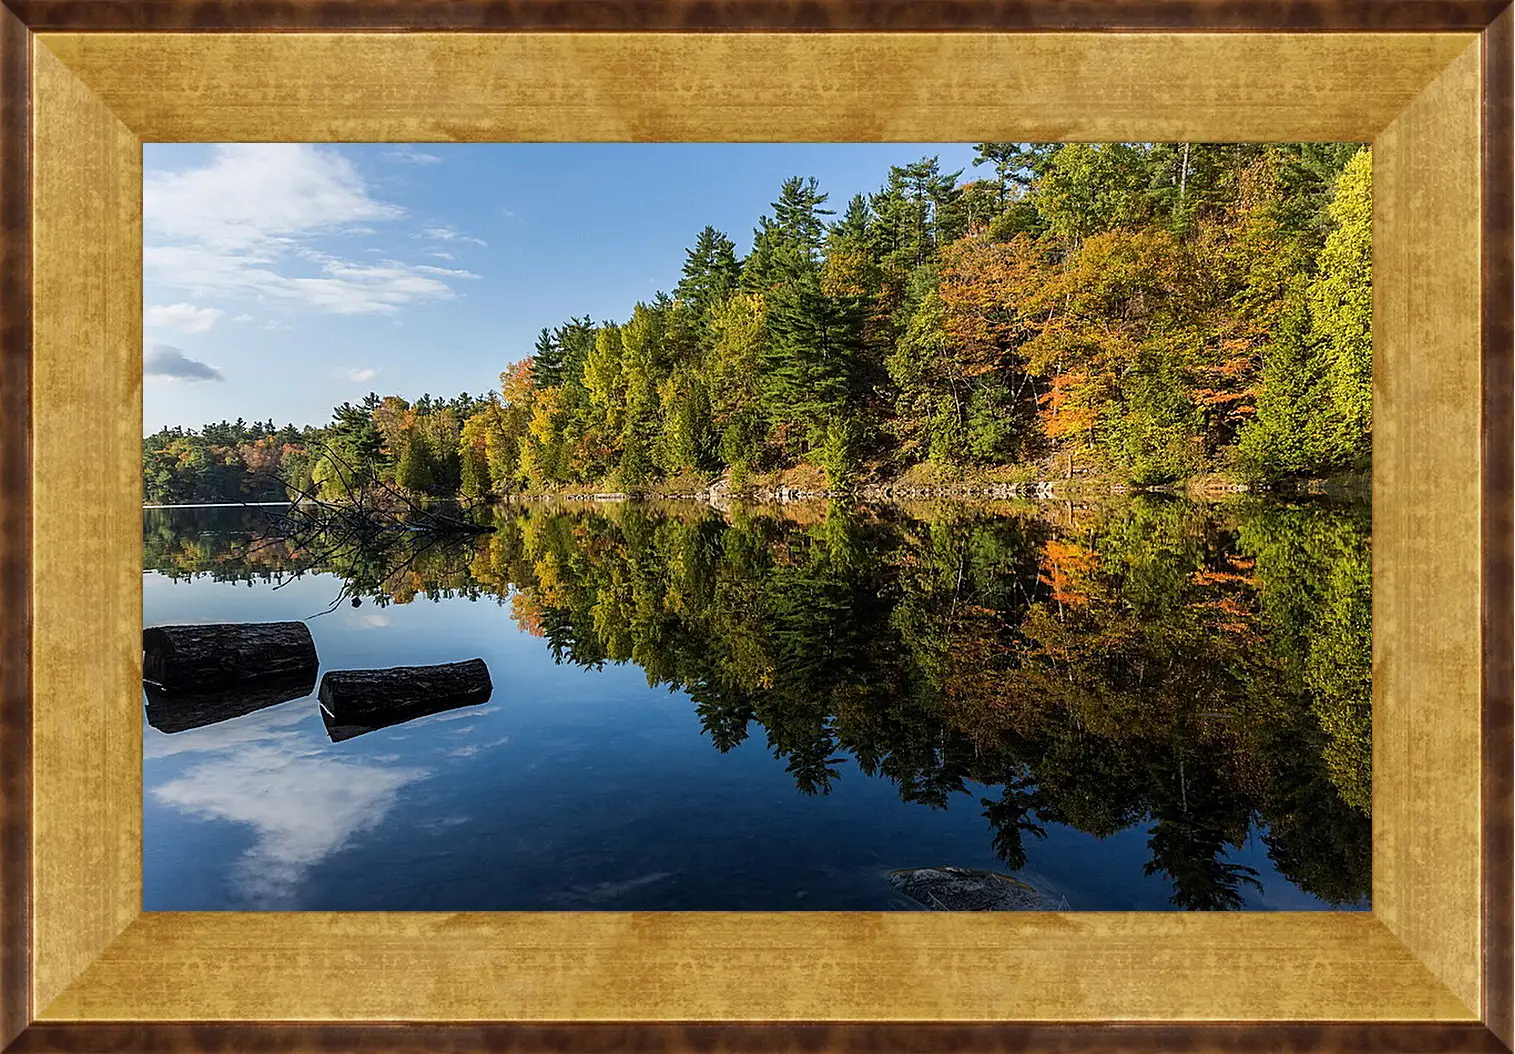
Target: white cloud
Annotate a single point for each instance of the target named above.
(412, 157)
(449, 234)
(473, 749)
(302, 805)
(244, 226)
(242, 318)
(258, 195)
(470, 714)
(361, 376)
(186, 318)
(445, 272)
(160, 360)
(599, 893)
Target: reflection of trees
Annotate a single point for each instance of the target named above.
(1200, 673)
(248, 545)
(216, 543)
(1012, 817)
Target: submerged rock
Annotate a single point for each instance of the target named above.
(967, 889)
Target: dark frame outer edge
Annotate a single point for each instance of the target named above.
(20, 18)
(1498, 525)
(15, 525)
(936, 16)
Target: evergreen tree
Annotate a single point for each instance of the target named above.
(798, 216)
(547, 360)
(810, 362)
(710, 272)
(414, 471)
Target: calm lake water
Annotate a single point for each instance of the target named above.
(1145, 705)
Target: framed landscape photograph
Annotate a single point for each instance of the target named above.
(961, 526)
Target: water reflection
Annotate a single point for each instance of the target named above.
(174, 712)
(1196, 673)
(301, 806)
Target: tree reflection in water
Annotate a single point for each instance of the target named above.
(1201, 671)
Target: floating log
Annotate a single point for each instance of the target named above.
(179, 711)
(199, 657)
(357, 701)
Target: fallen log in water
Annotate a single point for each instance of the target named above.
(179, 711)
(179, 658)
(358, 701)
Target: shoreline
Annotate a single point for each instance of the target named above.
(1203, 489)
(1199, 489)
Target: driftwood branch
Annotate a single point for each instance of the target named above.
(369, 534)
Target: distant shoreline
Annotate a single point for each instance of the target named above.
(1201, 489)
(216, 504)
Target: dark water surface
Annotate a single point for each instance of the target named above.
(1136, 706)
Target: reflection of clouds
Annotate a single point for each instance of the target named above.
(302, 805)
(303, 808)
(578, 896)
(464, 715)
(274, 724)
(475, 748)
(373, 621)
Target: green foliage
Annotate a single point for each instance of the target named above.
(1087, 188)
(710, 273)
(838, 452)
(809, 362)
(1341, 305)
(1315, 398)
(1144, 311)
(415, 470)
(1153, 428)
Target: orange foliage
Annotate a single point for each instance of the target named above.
(526, 612)
(1068, 566)
(987, 291)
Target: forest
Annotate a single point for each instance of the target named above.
(1126, 313)
(1198, 671)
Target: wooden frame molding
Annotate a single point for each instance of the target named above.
(84, 84)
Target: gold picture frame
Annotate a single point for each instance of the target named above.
(85, 84)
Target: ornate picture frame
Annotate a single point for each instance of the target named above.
(84, 84)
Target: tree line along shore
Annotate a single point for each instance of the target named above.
(1070, 316)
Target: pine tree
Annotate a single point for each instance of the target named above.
(547, 362)
(797, 214)
(810, 364)
(710, 272)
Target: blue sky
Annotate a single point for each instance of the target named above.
(282, 279)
